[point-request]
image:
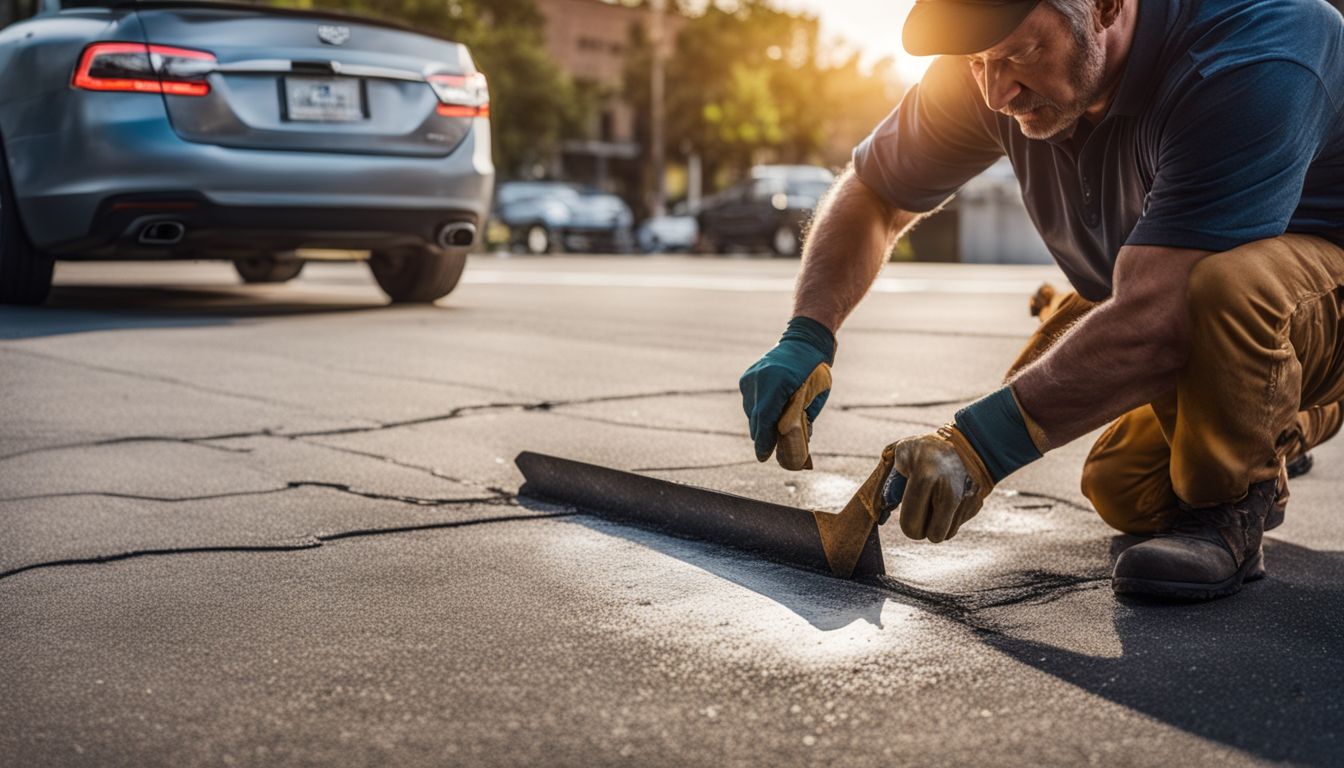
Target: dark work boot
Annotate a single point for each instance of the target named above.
(1208, 552)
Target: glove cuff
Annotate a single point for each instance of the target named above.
(813, 333)
(996, 429)
(975, 466)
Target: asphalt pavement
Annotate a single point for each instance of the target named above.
(281, 526)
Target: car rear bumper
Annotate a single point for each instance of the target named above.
(91, 190)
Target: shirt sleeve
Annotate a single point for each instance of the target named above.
(1234, 156)
(940, 137)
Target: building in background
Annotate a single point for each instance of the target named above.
(590, 40)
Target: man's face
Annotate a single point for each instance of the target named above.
(1044, 74)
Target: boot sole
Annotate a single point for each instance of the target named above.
(1251, 570)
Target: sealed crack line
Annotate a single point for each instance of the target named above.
(311, 542)
(418, 501)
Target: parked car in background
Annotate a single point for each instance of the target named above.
(766, 210)
(675, 232)
(552, 216)
(189, 130)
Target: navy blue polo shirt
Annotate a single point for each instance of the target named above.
(1224, 130)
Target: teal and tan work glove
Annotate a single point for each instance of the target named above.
(789, 387)
(941, 480)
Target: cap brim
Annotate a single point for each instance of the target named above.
(959, 28)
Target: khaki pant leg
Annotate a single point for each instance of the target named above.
(1265, 345)
(1127, 475)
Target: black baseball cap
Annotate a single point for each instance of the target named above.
(959, 27)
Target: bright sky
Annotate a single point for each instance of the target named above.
(872, 25)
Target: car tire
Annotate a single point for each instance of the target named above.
(264, 269)
(785, 242)
(25, 272)
(417, 275)
(538, 241)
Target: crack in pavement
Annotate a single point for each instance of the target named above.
(311, 542)
(751, 462)
(651, 427)
(142, 376)
(419, 501)
(937, 333)
(1050, 498)
(545, 406)
(431, 471)
(200, 442)
(914, 404)
(533, 405)
(1037, 588)
(908, 422)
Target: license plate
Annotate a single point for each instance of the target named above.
(324, 99)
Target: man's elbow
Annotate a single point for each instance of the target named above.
(857, 195)
(1162, 340)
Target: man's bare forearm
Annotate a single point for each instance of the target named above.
(851, 235)
(1124, 354)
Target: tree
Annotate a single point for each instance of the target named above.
(534, 106)
(748, 82)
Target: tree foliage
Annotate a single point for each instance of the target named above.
(748, 82)
(534, 106)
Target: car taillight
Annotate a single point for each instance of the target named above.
(462, 95)
(141, 68)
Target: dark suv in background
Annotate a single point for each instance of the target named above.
(767, 210)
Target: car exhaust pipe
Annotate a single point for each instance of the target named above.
(459, 234)
(163, 233)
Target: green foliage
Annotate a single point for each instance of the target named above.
(747, 83)
(534, 106)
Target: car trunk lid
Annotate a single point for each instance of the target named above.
(321, 82)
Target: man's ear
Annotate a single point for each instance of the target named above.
(1106, 12)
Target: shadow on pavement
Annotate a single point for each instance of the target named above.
(1262, 671)
(80, 308)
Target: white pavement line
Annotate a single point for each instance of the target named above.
(739, 284)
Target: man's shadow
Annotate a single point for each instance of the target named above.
(1262, 671)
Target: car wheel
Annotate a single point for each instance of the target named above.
(419, 274)
(25, 273)
(538, 240)
(785, 241)
(264, 269)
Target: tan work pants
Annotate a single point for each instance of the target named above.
(1263, 383)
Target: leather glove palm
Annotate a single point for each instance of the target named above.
(945, 483)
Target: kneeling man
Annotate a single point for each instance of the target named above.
(1184, 162)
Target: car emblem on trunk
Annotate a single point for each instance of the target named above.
(333, 34)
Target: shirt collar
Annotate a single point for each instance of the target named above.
(1150, 33)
